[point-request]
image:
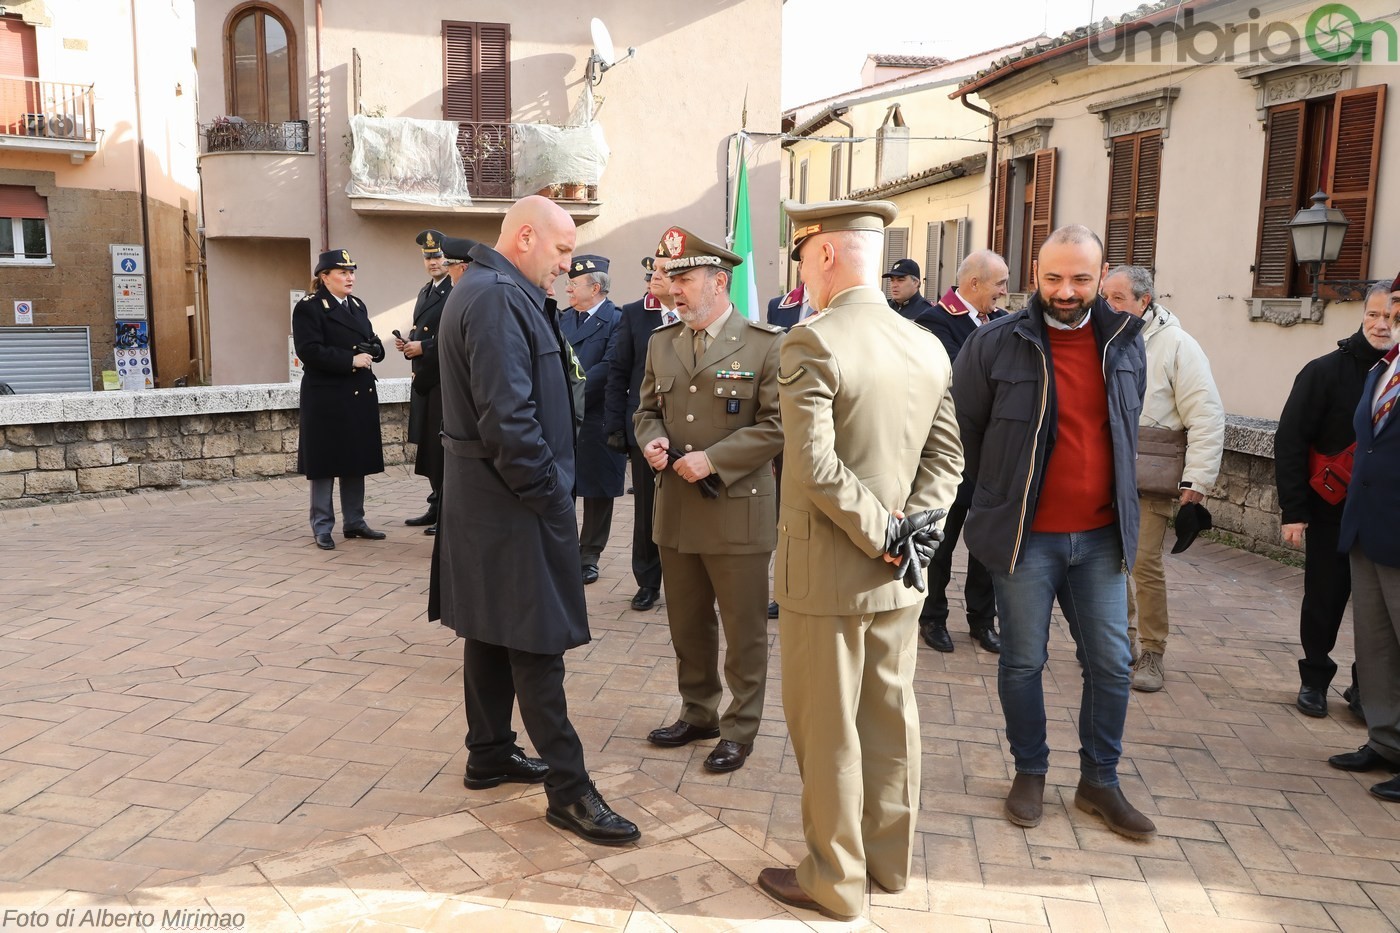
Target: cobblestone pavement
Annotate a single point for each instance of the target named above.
(200, 710)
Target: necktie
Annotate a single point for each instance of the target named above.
(1387, 401)
(669, 316)
(982, 318)
(701, 344)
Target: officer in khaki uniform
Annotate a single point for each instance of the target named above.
(710, 397)
(870, 434)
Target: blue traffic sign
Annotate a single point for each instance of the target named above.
(128, 264)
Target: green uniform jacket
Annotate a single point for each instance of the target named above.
(870, 428)
(733, 420)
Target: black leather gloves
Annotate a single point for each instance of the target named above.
(617, 442)
(710, 486)
(914, 538)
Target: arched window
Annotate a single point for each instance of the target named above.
(260, 65)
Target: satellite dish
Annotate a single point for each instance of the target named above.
(602, 42)
(603, 56)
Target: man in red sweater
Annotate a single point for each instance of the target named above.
(1048, 402)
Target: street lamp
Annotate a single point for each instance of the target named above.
(1317, 235)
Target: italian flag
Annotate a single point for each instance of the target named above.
(744, 289)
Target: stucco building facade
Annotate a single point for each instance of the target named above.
(295, 71)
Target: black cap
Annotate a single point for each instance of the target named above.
(457, 247)
(903, 267)
(334, 259)
(649, 264)
(1191, 519)
(431, 241)
(582, 265)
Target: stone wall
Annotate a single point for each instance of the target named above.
(81, 445)
(1245, 503)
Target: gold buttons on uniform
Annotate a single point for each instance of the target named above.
(689, 417)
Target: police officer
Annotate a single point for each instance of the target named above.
(905, 296)
(339, 427)
(708, 423)
(420, 349)
(590, 324)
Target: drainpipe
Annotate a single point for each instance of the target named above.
(992, 164)
(321, 121)
(145, 212)
(851, 152)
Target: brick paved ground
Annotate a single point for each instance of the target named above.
(199, 709)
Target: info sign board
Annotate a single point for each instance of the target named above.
(129, 297)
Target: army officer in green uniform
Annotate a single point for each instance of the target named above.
(707, 422)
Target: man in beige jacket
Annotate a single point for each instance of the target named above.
(869, 434)
(1181, 395)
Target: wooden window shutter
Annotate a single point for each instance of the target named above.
(1043, 201)
(19, 57)
(1119, 227)
(1147, 187)
(999, 208)
(459, 71)
(1133, 187)
(476, 72)
(835, 188)
(1356, 150)
(933, 261)
(963, 239)
(493, 73)
(22, 202)
(1279, 200)
(896, 248)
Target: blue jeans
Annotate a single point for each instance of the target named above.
(1084, 572)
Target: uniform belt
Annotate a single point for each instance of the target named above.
(472, 450)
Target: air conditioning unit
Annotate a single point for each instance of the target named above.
(54, 125)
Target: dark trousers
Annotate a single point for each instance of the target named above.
(352, 503)
(494, 679)
(597, 525)
(1326, 589)
(646, 558)
(980, 596)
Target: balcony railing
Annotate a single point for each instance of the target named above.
(234, 134)
(46, 110)
(486, 155)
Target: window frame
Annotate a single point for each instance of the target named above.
(21, 258)
(230, 74)
(1130, 209)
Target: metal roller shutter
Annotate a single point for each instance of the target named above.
(45, 359)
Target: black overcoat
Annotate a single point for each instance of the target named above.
(425, 401)
(600, 470)
(339, 406)
(506, 562)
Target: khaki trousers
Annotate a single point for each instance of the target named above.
(740, 584)
(848, 692)
(1375, 615)
(1147, 593)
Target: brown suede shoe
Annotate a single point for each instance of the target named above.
(781, 885)
(1025, 805)
(1118, 815)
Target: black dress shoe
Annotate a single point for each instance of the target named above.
(1364, 758)
(430, 530)
(646, 598)
(364, 531)
(1352, 695)
(427, 518)
(727, 756)
(518, 769)
(591, 818)
(773, 609)
(1388, 790)
(679, 733)
(325, 542)
(987, 637)
(590, 574)
(1312, 701)
(937, 637)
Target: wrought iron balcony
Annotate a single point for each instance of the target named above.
(51, 114)
(234, 134)
(486, 155)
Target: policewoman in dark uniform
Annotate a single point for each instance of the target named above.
(339, 436)
(420, 349)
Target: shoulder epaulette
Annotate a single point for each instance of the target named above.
(667, 326)
(765, 326)
(651, 303)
